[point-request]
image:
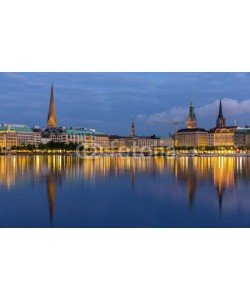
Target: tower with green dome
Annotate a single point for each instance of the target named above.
(191, 119)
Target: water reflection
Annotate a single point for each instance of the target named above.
(221, 173)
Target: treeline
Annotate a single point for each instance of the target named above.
(49, 146)
(74, 146)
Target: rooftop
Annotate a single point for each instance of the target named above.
(192, 130)
(16, 128)
(223, 129)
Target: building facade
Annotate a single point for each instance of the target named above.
(15, 135)
(136, 142)
(8, 137)
(37, 135)
(25, 135)
(242, 137)
(77, 135)
(191, 136)
(102, 139)
(221, 135)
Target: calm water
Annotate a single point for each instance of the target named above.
(64, 191)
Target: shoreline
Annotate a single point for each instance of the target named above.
(124, 155)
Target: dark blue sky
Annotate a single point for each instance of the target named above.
(108, 101)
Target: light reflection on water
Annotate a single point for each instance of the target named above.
(65, 191)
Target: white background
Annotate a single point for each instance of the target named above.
(124, 36)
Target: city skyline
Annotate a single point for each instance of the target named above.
(109, 101)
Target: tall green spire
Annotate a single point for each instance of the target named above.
(191, 119)
(191, 110)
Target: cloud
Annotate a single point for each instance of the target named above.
(165, 117)
(116, 98)
(231, 107)
(11, 75)
(141, 116)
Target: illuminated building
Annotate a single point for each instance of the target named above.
(242, 137)
(134, 141)
(79, 135)
(52, 111)
(8, 137)
(151, 141)
(167, 142)
(191, 136)
(76, 135)
(196, 137)
(101, 139)
(15, 134)
(37, 135)
(221, 135)
(138, 141)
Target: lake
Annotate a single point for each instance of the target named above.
(66, 191)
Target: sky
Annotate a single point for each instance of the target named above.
(109, 101)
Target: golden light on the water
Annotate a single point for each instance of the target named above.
(221, 171)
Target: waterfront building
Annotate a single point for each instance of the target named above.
(242, 137)
(37, 135)
(15, 135)
(24, 134)
(8, 137)
(56, 135)
(221, 135)
(167, 142)
(191, 136)
(116, 141)
(136, 142)
(147, 141)
(76, 135)
(52, 123)
(102, 139)
(79, 135)
(45, 140)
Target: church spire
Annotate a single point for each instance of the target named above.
(220, 109)
(52, 111)
(221, 122)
